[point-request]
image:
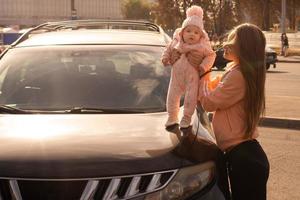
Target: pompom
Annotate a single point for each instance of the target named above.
(195, 10)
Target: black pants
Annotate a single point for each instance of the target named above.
(247, 167)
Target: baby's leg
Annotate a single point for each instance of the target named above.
(190, 99)
(175, 92)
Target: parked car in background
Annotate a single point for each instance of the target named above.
(220, 62)
(271, 57)
(1, 48)
(10, 35)
(82, 106)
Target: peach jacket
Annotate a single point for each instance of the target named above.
(227, 101)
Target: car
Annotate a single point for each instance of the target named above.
(83, 107)
(1, 48)
(271, 57)
(220, 62)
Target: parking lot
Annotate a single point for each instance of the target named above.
(282, 145)
(282, 90)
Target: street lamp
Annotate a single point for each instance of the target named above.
(73, 10)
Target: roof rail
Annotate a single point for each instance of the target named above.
(89, 24)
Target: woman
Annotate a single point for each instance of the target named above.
(284, 44)
(238, 101)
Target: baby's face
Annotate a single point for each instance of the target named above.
(191, 34)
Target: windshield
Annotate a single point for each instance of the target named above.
(89, 76)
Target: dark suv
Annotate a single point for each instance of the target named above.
(83, 113)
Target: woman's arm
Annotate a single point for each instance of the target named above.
(227, 93)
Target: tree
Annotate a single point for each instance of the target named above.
(259, 12)
(167, 14)
(218, 16)
(136, 9)
(266, 14)
(222, 15)
(226, 18)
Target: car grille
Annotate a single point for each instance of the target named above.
(112, 188)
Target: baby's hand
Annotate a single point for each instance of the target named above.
(165, 62)
(175, 55)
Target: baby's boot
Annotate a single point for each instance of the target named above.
(185, 122)
(171, 121)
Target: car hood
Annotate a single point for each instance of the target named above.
(85, 145)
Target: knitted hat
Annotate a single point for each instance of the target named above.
(194, 16)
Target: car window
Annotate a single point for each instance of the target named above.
(62, 77)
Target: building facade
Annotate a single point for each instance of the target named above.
(34, 12)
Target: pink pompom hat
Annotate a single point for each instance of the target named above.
(194, 16)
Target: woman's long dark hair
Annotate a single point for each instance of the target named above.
(251, 42)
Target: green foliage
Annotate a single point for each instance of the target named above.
(136, 9)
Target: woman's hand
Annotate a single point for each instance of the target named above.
(195, 58)
(175, 55)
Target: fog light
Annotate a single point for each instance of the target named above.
(174, 190)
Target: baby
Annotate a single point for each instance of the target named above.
(185, 77)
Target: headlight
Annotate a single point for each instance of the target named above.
(186, 182)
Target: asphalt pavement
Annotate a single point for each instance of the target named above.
(282, 147)
(283, 121)
(282, 95)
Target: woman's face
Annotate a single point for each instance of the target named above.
(230, 49)
(191, 34)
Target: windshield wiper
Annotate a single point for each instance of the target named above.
(12, 110)
(78, 110)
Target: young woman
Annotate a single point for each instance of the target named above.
(238, 101)
(284, 44)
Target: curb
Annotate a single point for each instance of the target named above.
(289, 61)
(289, 123)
